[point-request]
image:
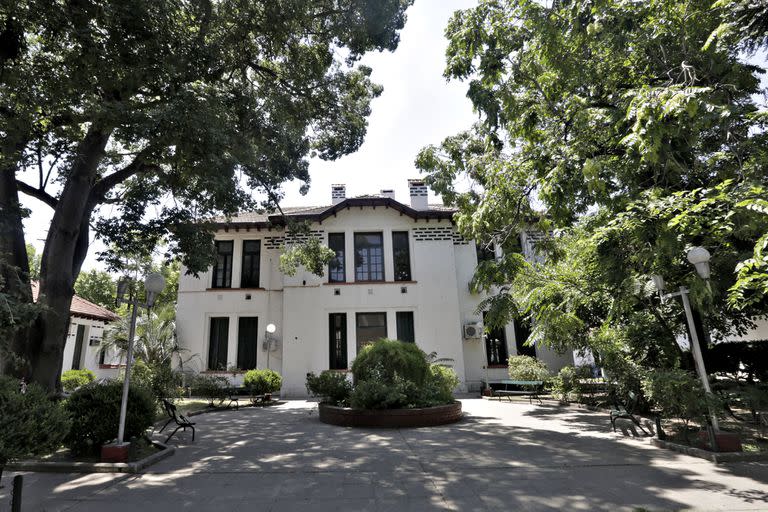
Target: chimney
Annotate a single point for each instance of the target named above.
(418, 192)
(388, 192)
(338, 193)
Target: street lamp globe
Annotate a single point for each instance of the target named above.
(271, 328)
(699, 258)
(153, 284)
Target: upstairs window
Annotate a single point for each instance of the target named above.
(336, 268)
(369, 257)
(251, 263)
(222, 270)
(401, 254)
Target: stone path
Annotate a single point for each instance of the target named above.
(503, 456)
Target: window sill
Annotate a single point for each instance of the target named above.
(235, 289)
(369, 282)
(110, 366)
(492, 366)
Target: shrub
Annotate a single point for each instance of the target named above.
(73, 379)
(95, 412)
(439, 386)
(30, 423)
(264, 381)
(527, 368)
(566, 382)
(160, 379)
(332, 387)
(676, 393)
(388, 360)
(376, 394)
(210, 387)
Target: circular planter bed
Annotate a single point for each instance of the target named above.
(425, 417)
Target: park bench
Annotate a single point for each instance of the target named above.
(529, 388)
(180, 420)
(626, 411)
(233, 398)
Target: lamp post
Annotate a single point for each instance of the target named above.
(698, 257)
(268, 341)
(153, 285)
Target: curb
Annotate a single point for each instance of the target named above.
(716, 457)
(93, 467)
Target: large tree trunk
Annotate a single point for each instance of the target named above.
(65, 250)
(15, 267)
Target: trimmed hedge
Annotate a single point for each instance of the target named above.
(264, 381)
(73, 379)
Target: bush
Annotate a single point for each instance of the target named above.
(332, 387)
(376, 394)
(95, 412)
(260, 382)
(388, 360)
(73, 379)
(160, 379)
(527, 368)
(566, 383)
(676, 393)
(439, 386)
(210, 387)
(30, 423)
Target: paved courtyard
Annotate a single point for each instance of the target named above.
(502, 456)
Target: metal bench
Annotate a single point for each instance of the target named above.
(529, 388)
(626, 411)
(180, 419)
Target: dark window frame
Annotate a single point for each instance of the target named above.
(496, 349)
(485, 253)
(247, 349)
(360, 343)
(250, 274)
(368, 257)
(226, 271)
(401, 255)
(77, 355)
(406, 326)
(338, 274)
(337, 341)
(215, 347)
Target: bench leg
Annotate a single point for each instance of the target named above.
(166, 424)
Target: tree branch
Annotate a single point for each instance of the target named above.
(37, 193)
(107, 183)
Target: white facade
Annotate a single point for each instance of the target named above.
(437, 293)
(82, 349)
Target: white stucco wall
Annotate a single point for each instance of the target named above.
(89, 356)
(441, 267)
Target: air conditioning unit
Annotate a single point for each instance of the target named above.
(473, 331)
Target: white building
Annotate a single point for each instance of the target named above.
(402, 271)
(82, 350)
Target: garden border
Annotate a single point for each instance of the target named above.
(93, 467)
(716, 457)
(391, 418)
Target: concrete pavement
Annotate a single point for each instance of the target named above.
(502, 456)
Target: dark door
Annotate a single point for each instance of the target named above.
(217, 349)
(78, 347)
(337, 341)
(247, 336)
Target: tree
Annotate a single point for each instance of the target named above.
(97, 286)
(34, 262)
(620, 115)
(170, 113)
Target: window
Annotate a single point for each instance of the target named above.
(338, 341)
(370, 327)
(485, 252)
(369, 257)
(247, 342)
(401, 255)
(222, 271)
(251, 262)
(77, 358)
(405, 330)
(217, 347)
(336, 268)
(522, 333)
(102, 355)
(496, 346)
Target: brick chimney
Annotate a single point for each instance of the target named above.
(418, 192)
(388, 192)
(338, 193)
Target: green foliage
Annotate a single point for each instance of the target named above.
(312, 255)
(211, 387)
(566, 384)
(375, 394)
(73, 379)
(98, 287)
(34, 262)
(331, 387)
(159, 379)
(387, 361)
(260, 382)
(438, 387)
(95, 412)
(676, 393)
(527, 368)
(32, 424)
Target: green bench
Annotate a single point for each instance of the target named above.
(529, 388)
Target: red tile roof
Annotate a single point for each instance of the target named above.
(83, 308)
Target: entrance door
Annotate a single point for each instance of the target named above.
(78, 347)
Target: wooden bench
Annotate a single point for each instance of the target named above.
(529, 388)
(180, 420)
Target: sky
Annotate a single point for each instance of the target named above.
(418, 107)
